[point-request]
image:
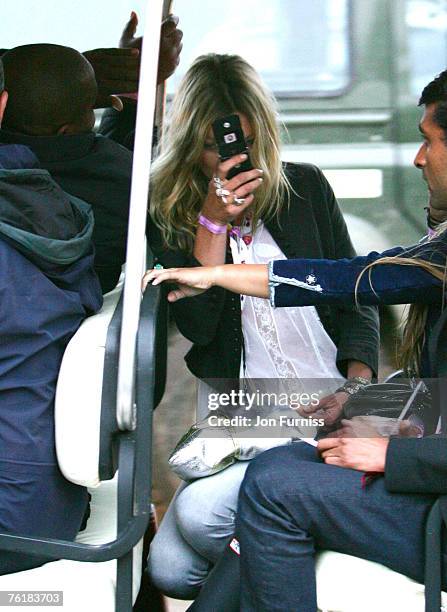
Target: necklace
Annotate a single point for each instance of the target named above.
(242, 233)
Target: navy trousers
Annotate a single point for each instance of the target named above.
(292, 504)
(37, 501)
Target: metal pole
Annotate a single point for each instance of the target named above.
(137, 215)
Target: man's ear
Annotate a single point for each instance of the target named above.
(84, 124)
(3, 101)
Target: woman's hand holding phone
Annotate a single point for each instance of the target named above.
(241, 186)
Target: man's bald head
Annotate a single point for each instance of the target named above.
(52, 90)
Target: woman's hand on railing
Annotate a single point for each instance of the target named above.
(189, 281)
(247, 279)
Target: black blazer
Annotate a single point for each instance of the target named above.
(311, 226)
(416, 465)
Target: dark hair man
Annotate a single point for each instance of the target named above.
(47, 287)
(52, 90)
(432, 156)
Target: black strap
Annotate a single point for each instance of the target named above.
(107, 444)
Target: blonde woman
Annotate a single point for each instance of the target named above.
(202, 218)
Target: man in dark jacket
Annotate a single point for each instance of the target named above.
(52, 92)
(47, 287)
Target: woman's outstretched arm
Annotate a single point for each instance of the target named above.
(239, 278)
(306, 282)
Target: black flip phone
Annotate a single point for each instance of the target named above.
(230, 141)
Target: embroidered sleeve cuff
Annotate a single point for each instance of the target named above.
(272, 285)
(278, 277)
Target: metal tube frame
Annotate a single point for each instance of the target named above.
(137, 215)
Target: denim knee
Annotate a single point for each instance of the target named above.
(205, 511)
(268, 478)
(171, 573)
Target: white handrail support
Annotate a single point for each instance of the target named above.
(136, 242)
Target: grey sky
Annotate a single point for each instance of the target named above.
(82, 24)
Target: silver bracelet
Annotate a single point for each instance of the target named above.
(352, 385)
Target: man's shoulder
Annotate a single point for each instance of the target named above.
(106, 145)
(106, 157)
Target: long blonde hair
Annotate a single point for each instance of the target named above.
(214, 86)
(409, 356)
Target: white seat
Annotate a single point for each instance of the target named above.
(350, 584)
(87, 587)
(78, 396)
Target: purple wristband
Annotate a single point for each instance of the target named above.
(214, 228)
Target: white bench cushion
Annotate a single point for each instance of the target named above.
(78, 397)
(87, 587)
(350, 584)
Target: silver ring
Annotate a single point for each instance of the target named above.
(218, 182)
(222, 192)
(239, 201)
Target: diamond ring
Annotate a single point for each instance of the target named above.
(239, 201)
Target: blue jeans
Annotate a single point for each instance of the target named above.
(292, 504)
(194, 531)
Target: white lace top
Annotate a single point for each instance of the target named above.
(280, 342)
